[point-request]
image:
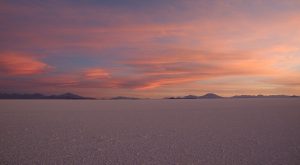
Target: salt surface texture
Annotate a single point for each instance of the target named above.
(206, 132)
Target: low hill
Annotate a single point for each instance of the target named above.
(41, 96)
(206, 96)
(263, 96)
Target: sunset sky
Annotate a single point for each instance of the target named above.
(150, 48)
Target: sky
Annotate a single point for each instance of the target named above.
(152, 49)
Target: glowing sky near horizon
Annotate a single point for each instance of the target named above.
(151, 48)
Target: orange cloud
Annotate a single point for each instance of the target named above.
(96, 73)
(87, 78)
(21, 64)
(290, 79)
(183, 66)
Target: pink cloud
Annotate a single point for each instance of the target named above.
(21, 64)
(96, 73)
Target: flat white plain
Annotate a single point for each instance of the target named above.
(206, 131)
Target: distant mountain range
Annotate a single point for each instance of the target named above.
(41, 96)
(263, 96)
(78, 97)
(215, 96)
(206, 96)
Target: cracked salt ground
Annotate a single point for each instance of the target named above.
(216, 132)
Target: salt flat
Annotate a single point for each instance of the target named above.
(206, 132)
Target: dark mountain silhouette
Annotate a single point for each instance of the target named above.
(215, 96)
(41, 96)
(263, 96)
(210, 96)
(190, 97)
(206, 96)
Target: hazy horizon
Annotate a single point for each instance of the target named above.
(74, 96)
